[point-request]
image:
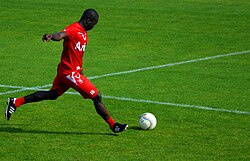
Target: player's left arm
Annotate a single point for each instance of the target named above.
(55, 37)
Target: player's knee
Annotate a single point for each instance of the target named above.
(97, 98)
(53, 94)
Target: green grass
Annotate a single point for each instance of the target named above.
(130, 35)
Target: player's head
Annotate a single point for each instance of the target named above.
(89, 19)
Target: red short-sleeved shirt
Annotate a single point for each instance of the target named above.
(73, 49)
(71, 63)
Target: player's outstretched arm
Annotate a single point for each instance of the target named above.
(55, 37)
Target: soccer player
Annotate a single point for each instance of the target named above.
(69, 71)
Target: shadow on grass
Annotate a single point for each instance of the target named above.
(20, 130)
(134, 128)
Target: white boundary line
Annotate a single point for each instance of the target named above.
(177, 104)
(21, 88)
(154, 102)
(169, 104)
(169, 65)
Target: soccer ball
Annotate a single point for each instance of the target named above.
(147, 121)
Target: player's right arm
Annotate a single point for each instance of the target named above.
(55, 37)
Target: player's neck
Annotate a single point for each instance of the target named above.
(82, 24)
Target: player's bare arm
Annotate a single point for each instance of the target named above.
(55, 37)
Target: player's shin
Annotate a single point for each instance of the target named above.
(102, 111)
(41, 95)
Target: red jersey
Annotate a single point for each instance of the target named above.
(73, 49)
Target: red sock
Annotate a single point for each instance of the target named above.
(111, 122)
(19, 101)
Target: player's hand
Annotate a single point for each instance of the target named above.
(47, 37)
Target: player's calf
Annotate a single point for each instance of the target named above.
(41, 95)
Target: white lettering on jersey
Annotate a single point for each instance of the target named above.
(83, 36)
(80, 47)
(75, 78)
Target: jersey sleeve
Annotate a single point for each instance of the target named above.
(69, 31)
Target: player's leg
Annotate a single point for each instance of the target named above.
(103, 112)
(57, 89)
(88, 91)
(14, 103)
(41, 95)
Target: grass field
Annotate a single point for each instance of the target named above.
(201, 101)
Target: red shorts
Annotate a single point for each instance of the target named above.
(77, 81)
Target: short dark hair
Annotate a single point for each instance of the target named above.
(90, 14)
